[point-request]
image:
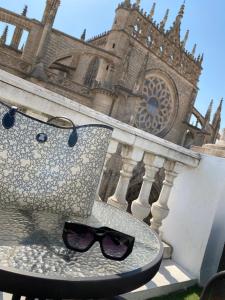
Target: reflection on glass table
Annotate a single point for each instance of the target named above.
(35, 263)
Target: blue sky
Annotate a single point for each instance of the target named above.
(204, 18)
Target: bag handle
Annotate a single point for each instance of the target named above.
(73, 136)
(62, 118)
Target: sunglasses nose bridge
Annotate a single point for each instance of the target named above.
(99, 234)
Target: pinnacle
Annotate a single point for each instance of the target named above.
(152, 11)
(194, 50)
(163, 22)
(174, 32)
(138, 3)
(4, 35)
(209, 111)
(24, 12)
(83, 36)
(183, 43)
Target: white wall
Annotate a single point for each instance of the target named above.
(216, 241)
(193, 203)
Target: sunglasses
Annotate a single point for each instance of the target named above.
(114, 245)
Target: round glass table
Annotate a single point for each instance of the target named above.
(35, 263)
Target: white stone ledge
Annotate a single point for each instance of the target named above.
(24, 93)
(170, 278)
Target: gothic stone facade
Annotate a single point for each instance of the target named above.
(137, 72)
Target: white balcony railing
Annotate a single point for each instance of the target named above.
(136, 145)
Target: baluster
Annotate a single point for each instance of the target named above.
(130, 157)
(111, 150)
(140, 207)
(160, 208)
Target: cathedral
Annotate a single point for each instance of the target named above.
(137, 72)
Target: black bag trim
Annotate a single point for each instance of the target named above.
(61, 127)
(41, 138)
(8, 120)
(73, 136)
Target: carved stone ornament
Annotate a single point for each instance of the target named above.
(157, 109)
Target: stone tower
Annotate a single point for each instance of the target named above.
(155, 85)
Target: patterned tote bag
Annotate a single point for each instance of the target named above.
(48, 167)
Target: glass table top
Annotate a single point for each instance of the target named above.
(32, 242)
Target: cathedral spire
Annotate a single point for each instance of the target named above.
(201, 59)
(209, 112)
(83, 36)
(24, 12)
(152, 11)
(4, 35)
(126, 3)
(181, 13)
(174, 32)
(194, 50)
(184, 42)
(138, 3)
(163, 22)
(217, 116)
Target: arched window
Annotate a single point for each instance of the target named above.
(92, 72)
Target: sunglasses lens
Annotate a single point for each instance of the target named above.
(115, 246)
(79, 238)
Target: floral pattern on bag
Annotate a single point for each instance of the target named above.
(50, 176)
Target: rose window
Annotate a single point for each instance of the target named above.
(155, 112)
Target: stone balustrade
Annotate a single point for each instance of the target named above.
(137, 146)
(160, 208)
(130, 157)
(141, 207)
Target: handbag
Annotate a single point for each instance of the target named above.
(48, 167)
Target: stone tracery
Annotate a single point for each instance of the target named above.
(155, 112)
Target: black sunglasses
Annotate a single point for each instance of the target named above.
(114, 245)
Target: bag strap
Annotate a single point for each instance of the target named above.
(73, 136)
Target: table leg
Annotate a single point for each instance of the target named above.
(16, 297)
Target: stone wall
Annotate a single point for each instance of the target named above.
(134, 49)
(184, 93)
